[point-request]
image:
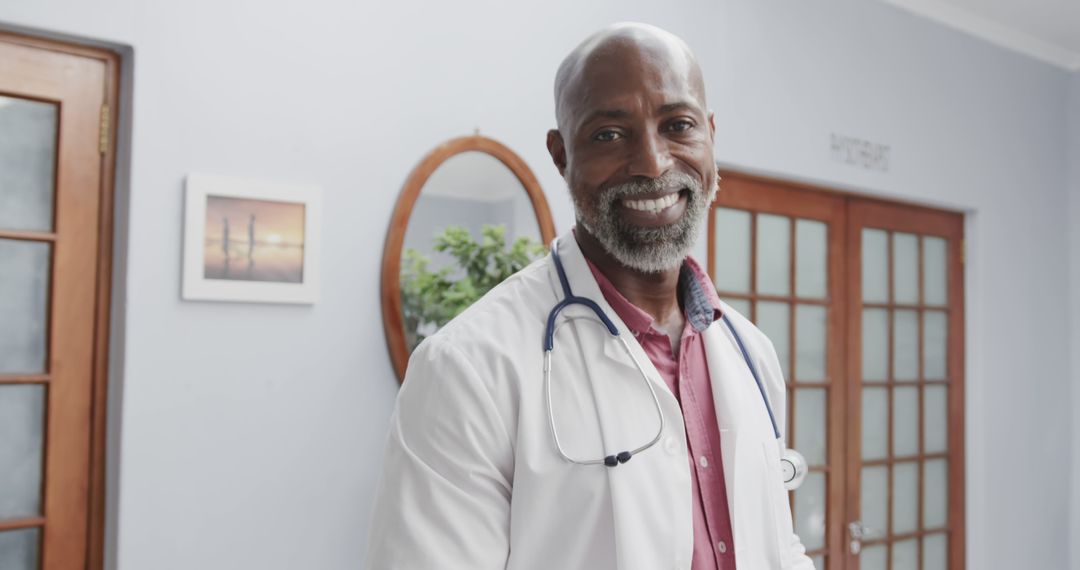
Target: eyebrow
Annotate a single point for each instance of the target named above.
(678, 105)
(606, 114)
(623, 113)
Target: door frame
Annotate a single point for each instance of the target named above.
(96, 477)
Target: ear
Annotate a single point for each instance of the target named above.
(712, 126)
(557, 149)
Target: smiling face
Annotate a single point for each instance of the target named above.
(635, 145)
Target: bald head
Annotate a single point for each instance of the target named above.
(640, 50)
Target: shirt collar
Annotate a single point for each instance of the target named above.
(701, 304)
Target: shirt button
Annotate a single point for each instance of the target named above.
(671, 445)
(703, 462)
(721, 546)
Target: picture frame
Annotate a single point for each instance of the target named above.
(251, 240)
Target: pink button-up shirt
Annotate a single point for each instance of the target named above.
(687, 375)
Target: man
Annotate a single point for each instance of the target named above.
(474, 477)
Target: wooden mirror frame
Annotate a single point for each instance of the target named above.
(393, 320)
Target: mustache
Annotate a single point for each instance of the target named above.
(668, 181)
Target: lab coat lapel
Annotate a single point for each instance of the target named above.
(744, 426)
(628, 418)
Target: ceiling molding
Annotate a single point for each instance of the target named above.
(991, 31)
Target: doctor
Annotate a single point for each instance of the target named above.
(494, 463)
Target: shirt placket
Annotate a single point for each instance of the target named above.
(701, 457)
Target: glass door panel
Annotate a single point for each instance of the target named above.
(28, 159)
(27, 164)
(22, 425)
(19, 549)
(901, 331)
(24, 301)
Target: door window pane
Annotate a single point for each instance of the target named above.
(875, 426)
(732, 250)
(875, 345)
(811, 254)
(810, 421)
(774, 320)
(935, 493)
(905, 345)
(19, 549)
(810, 511)
(875, 499)
(773, 254)
(24, 295)
(27, 164)
(905, 497)
(905, 421)
(934, 552)
(935, 425)
(742, 306)
(905, 268)
(935, 332)
(22, 425)
(810, 338)
(934, 271)
(875, 266)
(905, 555)
(872, 558)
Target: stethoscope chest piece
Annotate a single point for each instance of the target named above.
(793, 469)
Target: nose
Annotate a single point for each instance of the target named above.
(650, 157)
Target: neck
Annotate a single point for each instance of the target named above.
(654, 293)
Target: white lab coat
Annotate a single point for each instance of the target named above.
(472, 479)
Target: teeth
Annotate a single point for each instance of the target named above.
(653, 206)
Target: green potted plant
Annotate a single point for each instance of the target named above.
(430, 298)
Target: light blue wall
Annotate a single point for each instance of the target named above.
(1074, 288)
(252, 435)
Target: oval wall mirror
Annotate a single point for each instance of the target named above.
(469, 214)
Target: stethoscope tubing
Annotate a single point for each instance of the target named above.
(570, 299)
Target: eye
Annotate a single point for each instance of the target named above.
(680, 125)
(607, 135)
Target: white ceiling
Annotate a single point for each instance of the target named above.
(1048, 30)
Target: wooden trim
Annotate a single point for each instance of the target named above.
(16, 524)
(907, 536)
(853, 373)
(83, 51)
(24, 379)
(28, 236)
(390, 293)
(776, 298)
(732, 174)
(95, 553)
(955, 359)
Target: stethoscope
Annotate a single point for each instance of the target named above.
(793, 465)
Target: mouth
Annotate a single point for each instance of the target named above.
(654, 209)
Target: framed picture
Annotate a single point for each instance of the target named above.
(249, 240)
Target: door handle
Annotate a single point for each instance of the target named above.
(857, 532)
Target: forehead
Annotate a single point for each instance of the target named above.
(632, 77)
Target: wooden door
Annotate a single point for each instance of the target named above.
(906, 391)
(55, 218)
(862, 300)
